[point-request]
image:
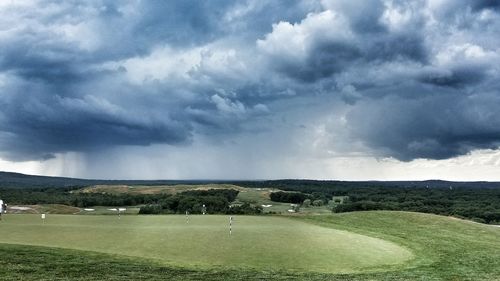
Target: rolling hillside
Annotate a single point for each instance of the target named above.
(17, 180)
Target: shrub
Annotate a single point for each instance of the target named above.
(288, 197)
(318, 202)
(306, 203)
(150, 209)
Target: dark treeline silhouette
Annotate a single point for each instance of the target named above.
(289, 197)
(298, 197)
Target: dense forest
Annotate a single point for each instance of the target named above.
(67, 196)
(481, 204)
(216, 201)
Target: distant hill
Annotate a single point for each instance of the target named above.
(17, 180)
(297, 184)
(291, 183)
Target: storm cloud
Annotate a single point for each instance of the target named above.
(401, 79)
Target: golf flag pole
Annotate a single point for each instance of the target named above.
(3, 208)
(187, 216)
(43, 218)
(230, 225)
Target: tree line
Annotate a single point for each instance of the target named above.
(70, 196)
(299, 197)
(216, 201)
(479, 203)
(213, 201)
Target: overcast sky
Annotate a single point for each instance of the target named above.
(336, 89)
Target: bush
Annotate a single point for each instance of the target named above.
(361, 206)
(288, 197)
(245, 209)
(216, 201)
(318, 202)
(150, 209)
(306, 203)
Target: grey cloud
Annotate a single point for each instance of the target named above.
(437, 126)
(485, 4)
(50, 123)
(58, 97)
(390, 47)
(413, 87)
(363, 17)
(459, 76)
(351, 34)
(322, 61)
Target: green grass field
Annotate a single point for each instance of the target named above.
(260, 243)
(350, 246)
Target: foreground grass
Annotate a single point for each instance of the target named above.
(445, 249)
(44, 264)
(257, 242)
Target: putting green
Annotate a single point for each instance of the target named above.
(261, 243)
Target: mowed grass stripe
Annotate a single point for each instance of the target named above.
(260, 243)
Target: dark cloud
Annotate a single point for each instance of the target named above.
(485, 4)
(331, 42)
(58, 97)
(180, 22)
(363, 17)
(323, 61)
(390, 47)
(457, 77)
(37, 123)
(418, 77)
(437, 125)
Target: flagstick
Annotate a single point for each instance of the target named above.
(230, 225)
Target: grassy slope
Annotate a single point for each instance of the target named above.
(44, 208)
(446, 249)
(155, 189)
(260, 243)
(30, 263)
